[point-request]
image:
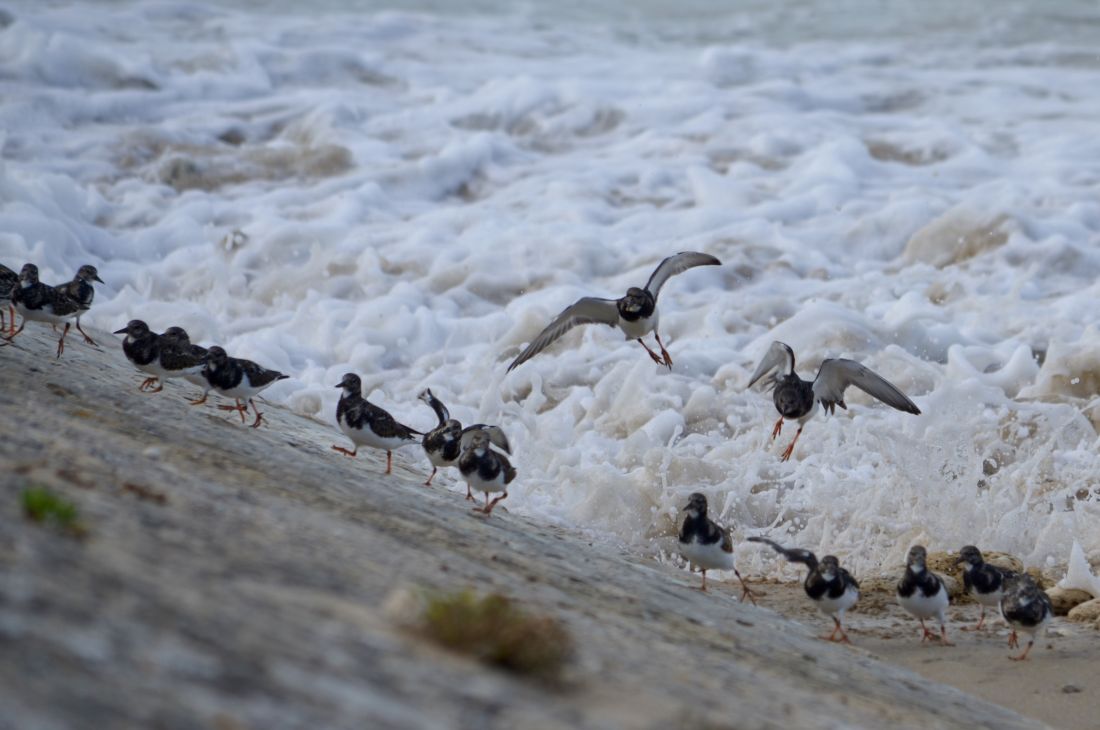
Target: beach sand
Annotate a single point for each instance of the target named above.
(1058, 684)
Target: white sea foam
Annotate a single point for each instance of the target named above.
(420, 192)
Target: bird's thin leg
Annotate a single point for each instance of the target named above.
(197, 401)
(259, 416)
(11, 337)
(61, 342)
(431, 476)
(240, 409)
(790, 449)
(344, 451)
(652, 354)
(745, 590)
(832, 636)
(664, 353)
(87, 339)
(778, 428)
(943, 637)
(389, 462)
(843, 634)
(11, 312)
(1026, 650)
(703, 587)
(981, 622)
(469, 494)
(489, 507)
(1013, 640)
(927, 634)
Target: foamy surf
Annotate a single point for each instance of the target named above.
(419, 193)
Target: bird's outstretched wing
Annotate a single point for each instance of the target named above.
(677, 264)
(496, 436)
(835, 376)
(589, 310)
(794, 555)
(779, 356)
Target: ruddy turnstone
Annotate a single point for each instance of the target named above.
(707, 545)
(635, 314)
(8, 280)
(827, 584)
(797, 399)
(923, 593)
(368, 425)
(984, 582)
(485, 470)
(237, 379)
(142, 348)
(38, 302)
(80, 289)
(444, 443)
(181, 359)
(1025, 607)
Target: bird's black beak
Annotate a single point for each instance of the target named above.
(959, 559)
(339, 385)
(96, 278)
(121, 331)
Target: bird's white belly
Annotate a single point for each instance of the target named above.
(837, 605)
(366, 437)
(992, 600)
(707, 557)
(638, 328)
(242, 391)
(475, 481)
(43, 315)
(436, 458)
(923, 606)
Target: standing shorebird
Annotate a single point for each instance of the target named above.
(38, 302)
(181, 359)
(80, 289)
(707, 545)
(8, 281)
(827, 584)
(485, 470)
(237, 379)
(798, 400)
(635, 314)
(444, 443)
(142, 348)
(984, 582)
(368, 425)
(923, 594)
(1025, 607)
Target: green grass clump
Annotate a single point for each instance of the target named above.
(496, 631)
(42, 505)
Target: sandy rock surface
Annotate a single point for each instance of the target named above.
(236, 578)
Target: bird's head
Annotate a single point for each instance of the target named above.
(635, 300)
(216, 358)
(87, 273)
(179, 334)
(829, 567)
(351, 384)
(28, 275)
(426, 396)
(134, 328)
(696, 506)
(479, 442)
(971, 556)
(916, 559)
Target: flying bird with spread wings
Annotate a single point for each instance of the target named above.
(798, 400)
(635, 314)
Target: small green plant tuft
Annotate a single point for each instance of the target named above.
(496, 631)
(42, 505)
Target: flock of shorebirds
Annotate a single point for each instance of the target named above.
(480, 451)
